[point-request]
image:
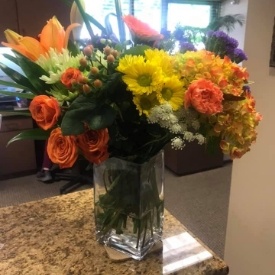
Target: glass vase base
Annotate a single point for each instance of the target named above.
(129, 204)
(128, 244)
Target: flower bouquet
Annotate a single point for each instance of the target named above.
(117, 104)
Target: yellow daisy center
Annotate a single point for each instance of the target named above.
(144, 80)
(145, 103)
(167, 94)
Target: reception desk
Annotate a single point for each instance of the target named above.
(56, 236)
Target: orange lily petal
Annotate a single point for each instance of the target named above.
(68, 32)
(27, 46)
(12, 37)
(52, 35)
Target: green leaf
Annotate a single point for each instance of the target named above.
(18, 94)
(13, 84)
(33, 72)
(11, 58)
(83, 103)
(72, 47)
(85, 18)
(137, 50)
(87, 110)
(71, 125)
(34, 134)
(17, 77)
(96, 23)
(102, 118)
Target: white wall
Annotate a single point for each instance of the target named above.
(250, 237)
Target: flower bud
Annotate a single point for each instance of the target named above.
(97, 83)
(82, 79)
(107, 50)
(94, 70)
(110, 58)
(114, 53)
(88, 50)
(86, 88)
(83, 62)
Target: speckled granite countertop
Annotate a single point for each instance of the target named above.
(55, 236)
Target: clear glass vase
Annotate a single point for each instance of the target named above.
(129, 204)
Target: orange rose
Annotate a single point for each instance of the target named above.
(70, 76)
(204, 96)
(94, 145)
(45, 110)
(62, 150)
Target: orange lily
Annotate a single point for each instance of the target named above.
(27, 46)
(52, 35)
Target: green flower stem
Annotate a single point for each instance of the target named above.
(131, 201)
(144, 232)
(85, 19)
(120, 23)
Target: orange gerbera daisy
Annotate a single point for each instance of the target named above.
(141, 30)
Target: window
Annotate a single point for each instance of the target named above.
(99, 10)
(158, 13)
(149, 12)
(188, 13)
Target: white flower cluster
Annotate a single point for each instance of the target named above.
(177, 122)
(56, 63)
(178, 143)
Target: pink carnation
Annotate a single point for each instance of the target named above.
(204, 96)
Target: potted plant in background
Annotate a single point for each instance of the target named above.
(118, 107)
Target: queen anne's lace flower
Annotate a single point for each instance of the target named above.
(177, 143)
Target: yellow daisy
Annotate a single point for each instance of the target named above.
(172, 92)
(126, 63)
(145, 103)
(160, 58)
(143, 78)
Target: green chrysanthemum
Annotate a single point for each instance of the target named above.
(62, 94)
(56, 63)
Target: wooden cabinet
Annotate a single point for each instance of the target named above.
(19, 157)
(8, 17)
(28, 17)
(33, 15)
(192, 159)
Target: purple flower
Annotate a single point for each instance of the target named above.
(186, 46)
(222, 44)
(231, 42)
(178, 33)
(225, 39)
(246, 88)
(218, 34)
(239, 54)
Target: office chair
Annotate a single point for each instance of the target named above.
(79, 175)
